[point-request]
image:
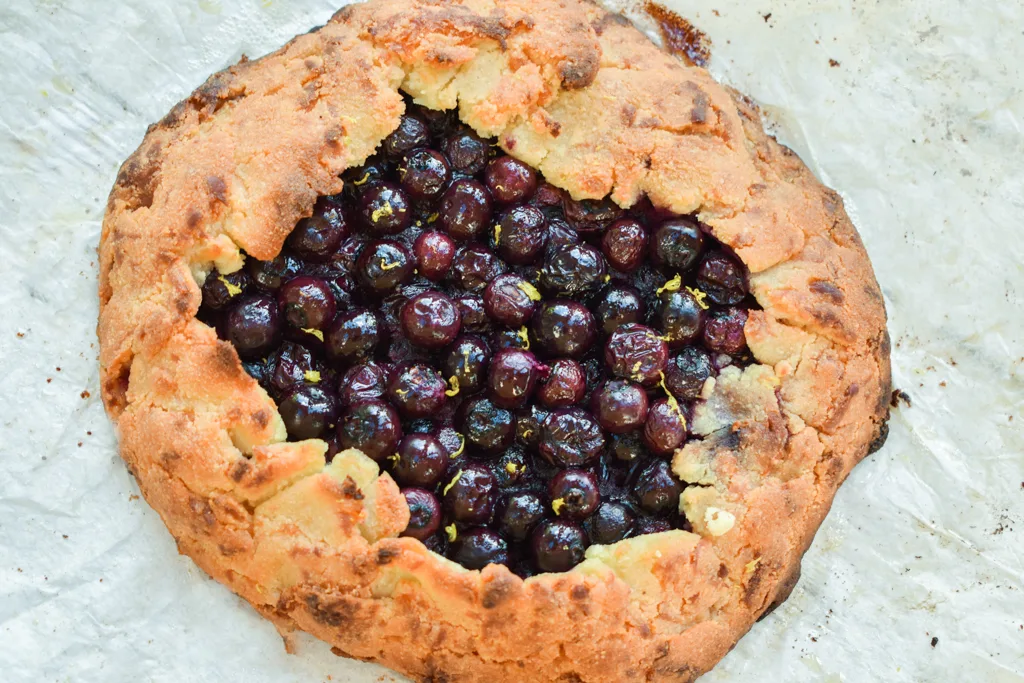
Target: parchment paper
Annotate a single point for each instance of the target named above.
(913, 110)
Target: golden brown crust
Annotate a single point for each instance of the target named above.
(586, 98)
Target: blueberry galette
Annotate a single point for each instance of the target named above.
(488, 343)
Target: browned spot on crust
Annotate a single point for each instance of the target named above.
(225, 356)
(201, 508)
(699, 114)
(827, 289)
(681, 37)
(784, 590)
(333, 612)
(579, 72)
(261, 418)
(579, 592)
(879, 440)
(193, 219)
(240, 469)
(350, 490)
(139, 178)
(218, 188)
(498, 591)
(386, 555)
(723, 571)
(628, 114)
(753, 583)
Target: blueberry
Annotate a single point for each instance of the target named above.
(665, 429)
(624, 244)
(474, 267)
(424, 173)
(619, 305)
(679, 317)
(473, 314)
(362, 382)
(637, 353)
(371, 426)
(723, 331)
(510, 180)
(529, 425)
(470, 495)
(564, 386)
(417, 390)
(723, 279)
(466, 360)
(627, 448)
(519, 513)
(373, 169)
(466, 151)
(570, 437)
(253, 325)
(412, 132)
(352, 337)
(676, 244)
(486, 426)
(521, 235)
(385, 209)
(573, 270)
(657, 489)
(292, 364)
(563, 327)
(513, 376)
(430, 320)
(422, 461)
(384, 265)
(510, 300)
(220, 291)
(270, 275)
(574, 494)
(307, 411)
(424, 513)
(619, 406)
(434, 252)
(687, 371)
(306, 303)
(558, 545)
(465, 210)
(477, 548)
(590, 215)
(317, 238)
(611, 523)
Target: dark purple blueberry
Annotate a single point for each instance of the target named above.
(510, 300)
(270, 275)
(486, 426)
(417, 390)
(677, 244)
(352, 337)
(454, 443)
(220, 291)
(722, 278)
(521, 235)
(565, 385)
(424, 514)
(362, 382)
(293, 364)
(723, 331)
(510, 181)
(649, 525)
(474, 267)
(687, 371)
(529, 425)
(679, 317)
(513, 376)
(573, 270)
(422, 461)
(611, 523)
(619, 406)
(316, 238)
(656, 489)
(384, 265)
(665, 430)
(547, 195)
(560, 236)
(333, 445)
(424, 173)
(519, 514)
(412, 132)
(477, 548)
(373, 169)
(371, 426)
(473, 314)
(624, 244)
(384, 208)
(307, 411)
(465, 210)
(637, 353)
(434, 252)
(619, 305)
(563, 327)
(558, 545)
(627, 447)
(590, 215)
(470, 495)
(253, 325)
(574, 494)
(570, 437)
(440, 121)
(466, 360)
(509, 338)
(466, 151)
(430, 320)
(306, 303)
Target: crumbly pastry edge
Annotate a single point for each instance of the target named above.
(587, 99)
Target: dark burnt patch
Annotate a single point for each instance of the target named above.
(681, 37)
(498, 591)
(330, 611)
(386, 555)
(350, 489)
(580, 70)
(827, 289)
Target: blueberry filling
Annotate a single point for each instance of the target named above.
(523, 364)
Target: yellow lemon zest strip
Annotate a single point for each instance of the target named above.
(233, 290)
(699, 296)
(672, 285)
(385, 210)
(448, 488)
(315, 332)
(557, 504)
(525, 336)
(453, 381)
(312, 376)
(452, 532)
(530, 290)
(361, 181)
(462, 447)
(385, 266)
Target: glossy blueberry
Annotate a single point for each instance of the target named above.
(565, 384)
(574, 494)
(521, 235)
(509, 338)
(431, 320)
(306, 302)
(619, 305)
(470, 494)
(636, 353)
(373, 169)
(557, 545)
(656, 489)
(477, 548)
(512, 377)
(687, 371)
(220, 291)
(466, 151)
(422, 461)
(270, 275)
(624, 245)
(474, 267)
(589, 216)
(519, 513)
(253, 325)
(677, 244)
(563, 327)
(424, 173)
(417, 390)
(307, 410)
(570, 437)
(362, 382)
(510, 300)
(424, 513)
(486, 426)
(385, 209)
(611, 523)
(434, 252)
(723, 331)
(465, 210)
(317, 238)
(466, 360)
(371, 426)
(573, 271)
(679, 317)
(510, 181)
(665, 429)
(292, 364)
(529, 425)
(412, 132)
(473, 314)
(353, 336)
(627, 448)
(619, 406)
(384, 265)
(560, 236)
(723, 278)
(546, 196)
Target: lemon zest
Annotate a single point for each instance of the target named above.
(670, 397)
(313, 331)
(607, 278)
(497, 233)
(458, 475)
(525, 336)
(699, 295)
(513, 468)
(385, 210)
(752, 565)
(362, 181)
(233, 290)
(530, 290)
(402, 392)
(453, 381)
(557, 504)
(312, 376)
(385, 266)
(394, 457)
(462, 447)
(672, 285)
(432, 217)
(452, 532)
(527, 432)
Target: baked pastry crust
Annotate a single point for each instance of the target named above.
(588, 100)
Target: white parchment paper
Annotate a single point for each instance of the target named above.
(913, 110)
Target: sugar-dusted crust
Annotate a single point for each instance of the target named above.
(600, 110)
